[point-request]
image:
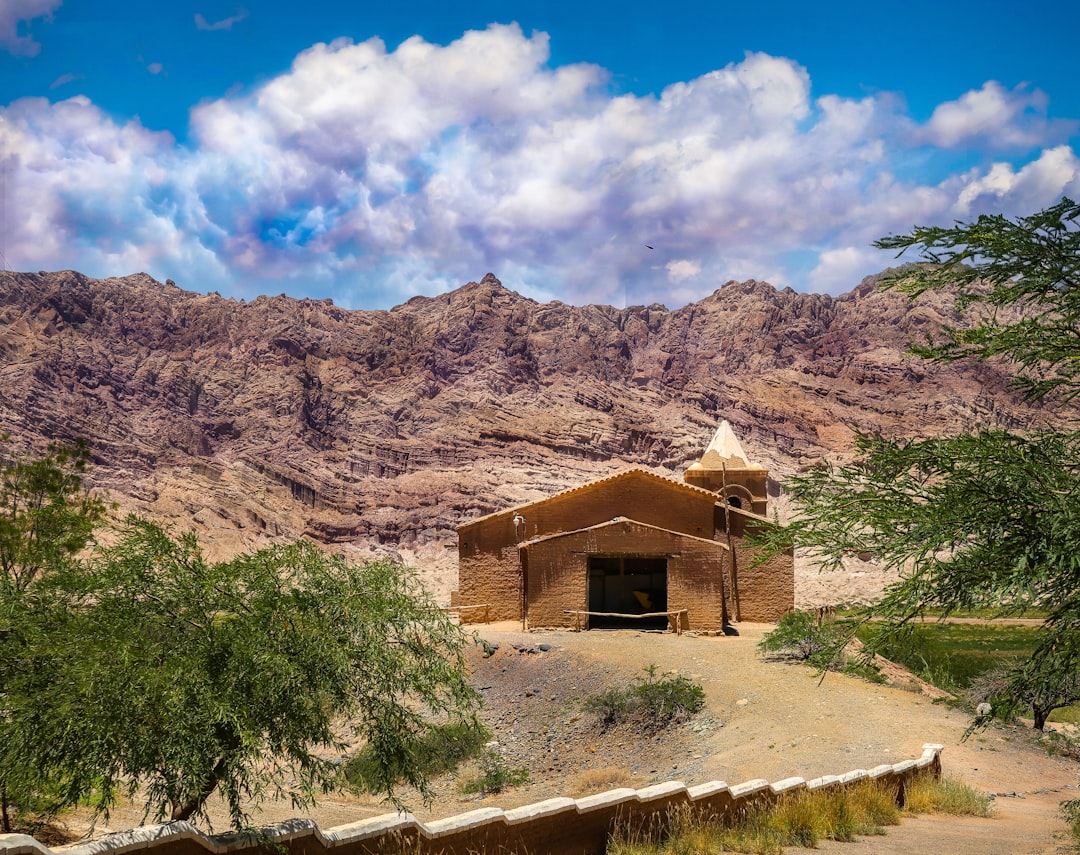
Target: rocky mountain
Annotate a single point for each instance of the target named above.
(375, 430)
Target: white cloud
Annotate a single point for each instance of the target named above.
(65, 79)
(681, 270)
(224, 24)
(14, 12)
(994, 114)
(375, 174)
(1056, 172)
(839, 270)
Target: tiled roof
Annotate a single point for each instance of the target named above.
(589, 485)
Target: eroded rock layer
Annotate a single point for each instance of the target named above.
(385, 429)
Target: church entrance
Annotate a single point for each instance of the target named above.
(627, 585)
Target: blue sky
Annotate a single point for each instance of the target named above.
(370, 152)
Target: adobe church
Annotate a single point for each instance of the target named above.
(631, 544)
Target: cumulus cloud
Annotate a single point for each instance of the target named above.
(681, 270)
(370, 174)
(224, 24)
(12, 14)
(842, 268)
(994, 114)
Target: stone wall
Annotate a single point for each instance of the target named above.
(555, 826)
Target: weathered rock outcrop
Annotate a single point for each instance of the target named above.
(283, 417)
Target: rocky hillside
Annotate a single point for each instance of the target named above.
(385, 429)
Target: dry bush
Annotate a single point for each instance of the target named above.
(588, 782)
(929, 794)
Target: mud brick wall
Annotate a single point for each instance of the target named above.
(766, 592)
(488, 569)
(558, 571)
(558, 826)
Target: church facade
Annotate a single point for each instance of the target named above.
(630, 544)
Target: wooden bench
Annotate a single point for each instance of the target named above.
(457, 610)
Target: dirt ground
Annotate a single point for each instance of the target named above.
(762, 719)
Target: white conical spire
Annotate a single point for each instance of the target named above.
(727, 446)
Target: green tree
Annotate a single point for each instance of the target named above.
(151, 670)
(991, 518)
(1027, 685)
(46, 520)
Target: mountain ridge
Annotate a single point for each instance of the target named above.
(279, 417)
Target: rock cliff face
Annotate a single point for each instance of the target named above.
(384, 430)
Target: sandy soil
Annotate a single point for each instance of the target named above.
(763, 719)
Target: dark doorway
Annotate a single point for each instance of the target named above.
(626, 585)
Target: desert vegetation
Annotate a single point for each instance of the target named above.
(651, 703)
(985, 519)
(804, 819)
(131, 667)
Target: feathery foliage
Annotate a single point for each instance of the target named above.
(144, 668)
(988, 519)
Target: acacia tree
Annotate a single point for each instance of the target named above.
(148, 669)
(988, 519)
(1041, 695)
(46, 520)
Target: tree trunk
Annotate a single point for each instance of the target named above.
(1040, 717)
(230, 742)
(3, 811)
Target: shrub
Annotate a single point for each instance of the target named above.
(493, 775)
(669, 699)
(442, 749)
(610, 706)
(804, 637)
(1070, 812)
(652, 703)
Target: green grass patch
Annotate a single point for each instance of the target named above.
(1065, 715)
(951, 655)
(442, 749)
(991, 613)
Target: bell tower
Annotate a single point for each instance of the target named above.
(725, 469)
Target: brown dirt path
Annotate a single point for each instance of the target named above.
(762, 719)
(1028, 826)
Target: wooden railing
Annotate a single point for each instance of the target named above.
(676, 618)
